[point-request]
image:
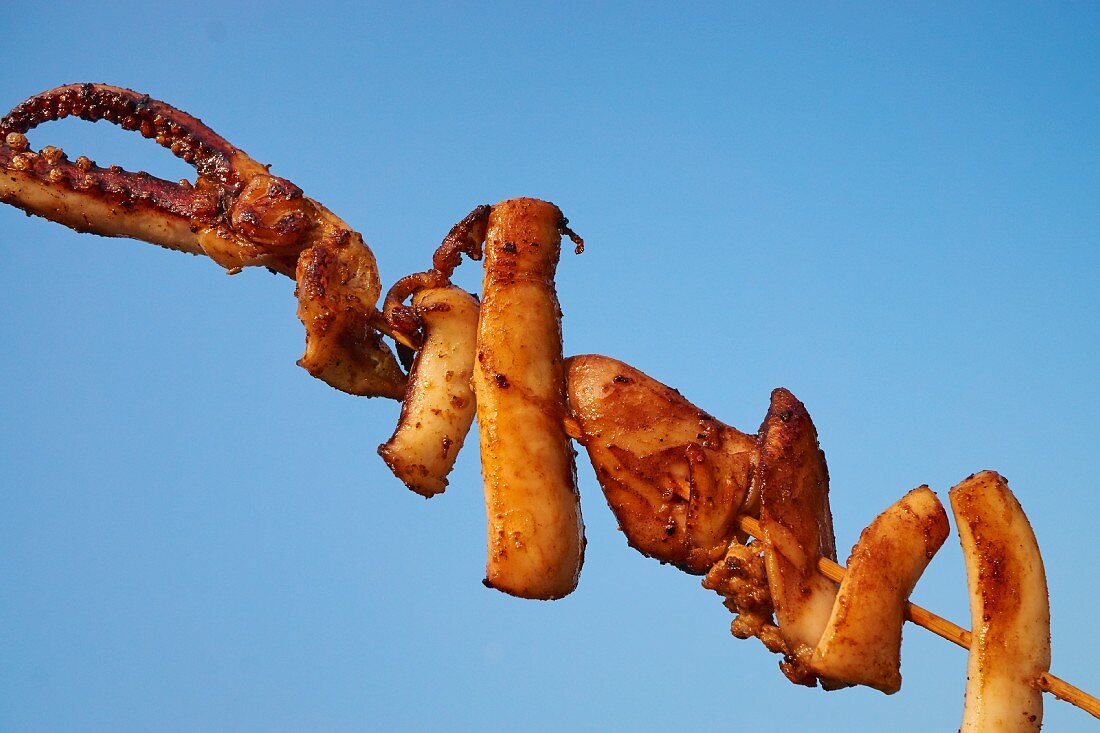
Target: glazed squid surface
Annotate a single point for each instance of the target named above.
(861, 643)
(675, 477)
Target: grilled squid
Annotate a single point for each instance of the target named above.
(797, 525)
(1009, 608)
(861, 644)
(675, 477)
(236, 213)
(535, 535)
(439, 402)
(686, 488)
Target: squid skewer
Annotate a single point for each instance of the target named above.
(692, 501)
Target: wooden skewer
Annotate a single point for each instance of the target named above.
(952, 632)
(380, 324)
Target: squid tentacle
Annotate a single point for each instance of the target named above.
(108, 201)
(216, 216)
(187, 137)
(467, 236)
(236, 213)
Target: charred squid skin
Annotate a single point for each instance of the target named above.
(438, 406)
(466, 237)
(240, 215)
(797, 527)
(675, 477)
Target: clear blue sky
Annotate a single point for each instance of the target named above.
(893, 211)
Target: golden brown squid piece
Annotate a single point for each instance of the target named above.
(675, 477)
(850, 635)
(236, 213)
(439, 404)
(535, 535)
(337, 290)
(1009, 608)
(862, 642)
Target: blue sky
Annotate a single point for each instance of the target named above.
(890, 210)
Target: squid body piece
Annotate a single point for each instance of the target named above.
(796, 523)
(439, 402)
(862, 641)
(535, 535)
(1009, 608)
(851, 634)
(675, 477)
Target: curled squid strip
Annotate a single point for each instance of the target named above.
(439, 403)
(402, 318)
(861, 644)
(466, 237)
